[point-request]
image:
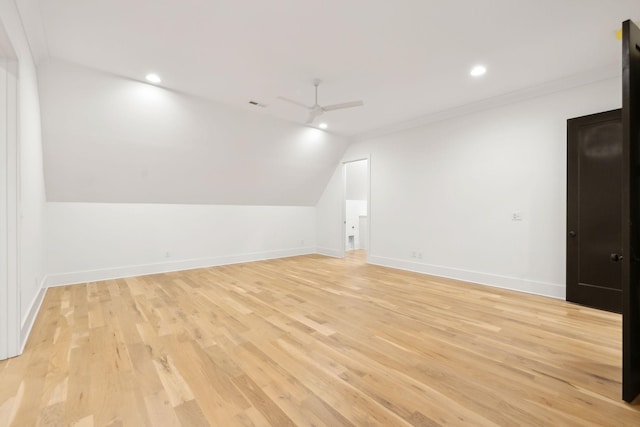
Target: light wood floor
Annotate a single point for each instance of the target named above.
(313, 341)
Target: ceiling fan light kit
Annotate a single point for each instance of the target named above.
(316, 109)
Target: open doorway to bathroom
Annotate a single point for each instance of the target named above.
(356, 207)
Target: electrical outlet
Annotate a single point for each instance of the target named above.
(516, 216)
(419, 255)
(167, 254)
(302, 241)
(413, 254)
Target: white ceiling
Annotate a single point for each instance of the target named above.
(403, 58)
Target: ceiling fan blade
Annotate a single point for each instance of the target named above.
(311, 118)
(343, 105)
(299, 104)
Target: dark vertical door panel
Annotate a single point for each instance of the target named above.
(594, 197)
(630, 211)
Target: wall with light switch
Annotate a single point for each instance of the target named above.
(479, 197)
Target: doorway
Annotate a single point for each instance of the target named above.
(356, 206)
(594, 210)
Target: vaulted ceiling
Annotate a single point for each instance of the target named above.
(403, 58)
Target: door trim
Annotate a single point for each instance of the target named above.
(10, 335)
(630, 211)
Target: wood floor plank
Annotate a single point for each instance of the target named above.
(313, 340)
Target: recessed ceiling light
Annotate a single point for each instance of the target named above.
(153, 78)
(478, 70)
(323, 126)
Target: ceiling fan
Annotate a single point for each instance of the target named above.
(316, 109)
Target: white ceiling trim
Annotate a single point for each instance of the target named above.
(592, 76)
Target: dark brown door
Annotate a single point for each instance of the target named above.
(631, 211)
(594, 207)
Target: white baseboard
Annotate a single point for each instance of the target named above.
(166, 267)
(30, 319)
(513, 283)
(330, 252)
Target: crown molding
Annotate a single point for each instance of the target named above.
(588, 77)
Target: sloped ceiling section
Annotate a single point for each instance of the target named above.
(111, 139)
(403, 58)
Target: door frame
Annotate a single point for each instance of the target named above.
(343, 226)
(630, 211)
(9, 201)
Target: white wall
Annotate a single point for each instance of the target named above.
(356, 180)
(31, 191)
(97, 241)
(111, 139)
(329, 212)
(446, 191)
